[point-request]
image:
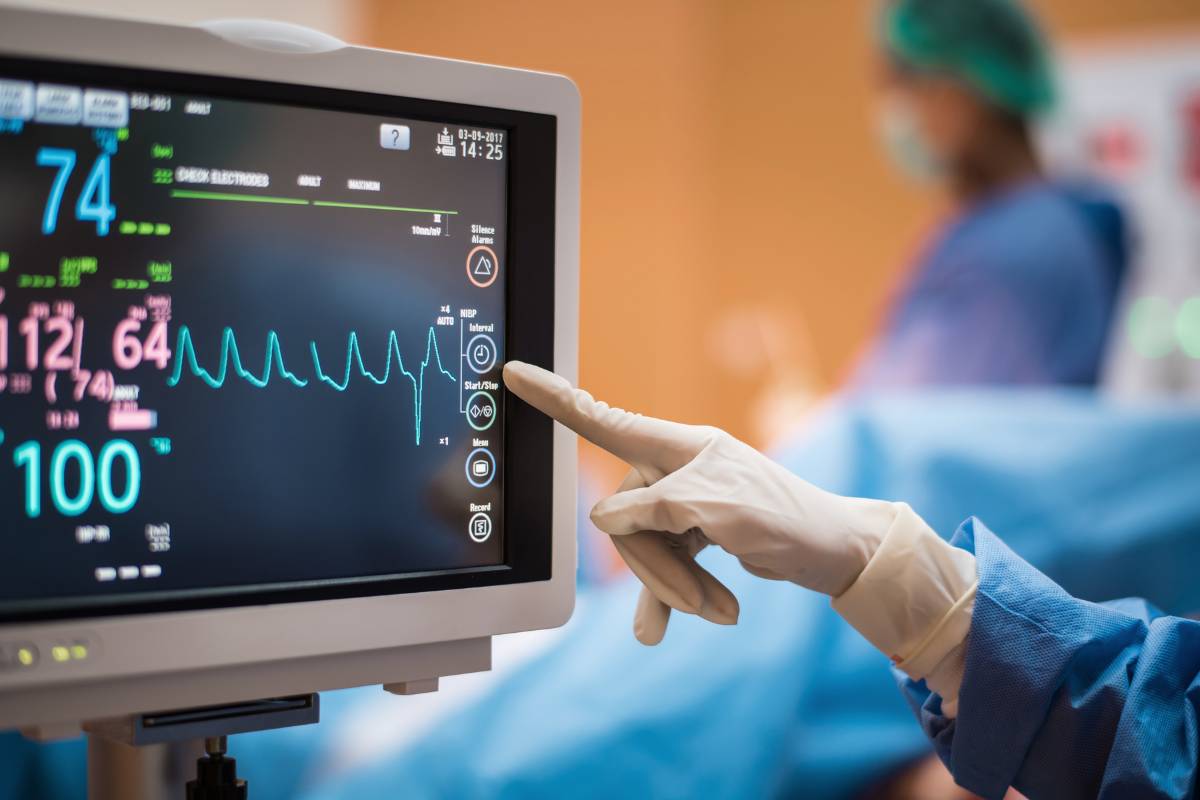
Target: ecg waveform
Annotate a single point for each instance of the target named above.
(229, 353)
(273, 364)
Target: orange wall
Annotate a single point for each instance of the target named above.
(729, 164)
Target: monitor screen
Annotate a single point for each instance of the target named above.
(246, 344)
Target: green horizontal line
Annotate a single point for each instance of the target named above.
(188, 194)
(334, 204)
(244, 198)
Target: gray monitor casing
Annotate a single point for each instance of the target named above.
(146, 662)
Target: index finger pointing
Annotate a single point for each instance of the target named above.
(656, 447)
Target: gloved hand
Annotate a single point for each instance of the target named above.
(691, 485)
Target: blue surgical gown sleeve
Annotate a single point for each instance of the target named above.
(1063, 698)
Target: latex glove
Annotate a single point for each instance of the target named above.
(691, 485)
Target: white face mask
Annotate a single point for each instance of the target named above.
(905, 142)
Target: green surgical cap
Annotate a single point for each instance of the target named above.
(994, 45)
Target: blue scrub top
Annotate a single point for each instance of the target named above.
(1018, 289)
(1064, 698)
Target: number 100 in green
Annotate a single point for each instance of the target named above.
(95, 476)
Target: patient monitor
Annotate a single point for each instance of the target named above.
(256, 291)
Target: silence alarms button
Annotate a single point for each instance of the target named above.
(482, 266)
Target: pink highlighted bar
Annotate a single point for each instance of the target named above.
(138, 419)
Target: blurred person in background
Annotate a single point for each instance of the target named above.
(1018, 285)
(1019, 282)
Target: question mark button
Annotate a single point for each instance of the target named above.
(394, 137)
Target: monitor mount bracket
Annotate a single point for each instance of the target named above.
(129, 756)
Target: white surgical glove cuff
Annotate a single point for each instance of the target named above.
(914, 601)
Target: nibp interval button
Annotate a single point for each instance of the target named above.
(481, 353)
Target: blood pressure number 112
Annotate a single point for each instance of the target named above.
(93, 204)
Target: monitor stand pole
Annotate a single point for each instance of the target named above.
(118, 770)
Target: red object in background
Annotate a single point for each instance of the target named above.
(1116, 149)
(1191, 142)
